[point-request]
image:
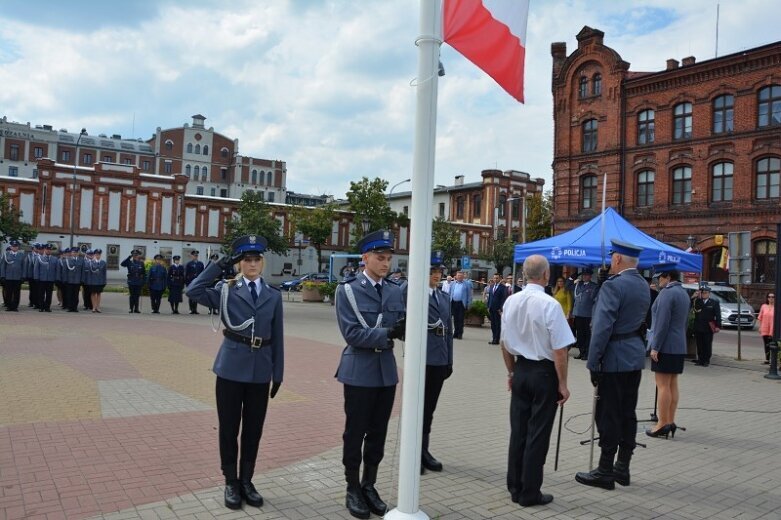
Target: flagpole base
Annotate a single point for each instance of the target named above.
(395, 514)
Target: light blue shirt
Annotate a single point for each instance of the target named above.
(457, 291)
(257, 284)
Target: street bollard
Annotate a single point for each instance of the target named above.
(773, 373)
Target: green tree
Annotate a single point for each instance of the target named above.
(367, 200)
(445, 237)
(254, 218)
(11, 225)
(501, 254)
(539, 216)
(316, 224)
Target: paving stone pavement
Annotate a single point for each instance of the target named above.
(112, 416)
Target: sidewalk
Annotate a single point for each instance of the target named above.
(112, 416)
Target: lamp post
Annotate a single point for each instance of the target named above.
(397, 185)
(73, 185)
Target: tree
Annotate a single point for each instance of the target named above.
(367, 200)
(11, 225)
(445, 237)
(317, 224)
(539, 213)
(502, 254)
(254, 218)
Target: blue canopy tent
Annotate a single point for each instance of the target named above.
(582, 246)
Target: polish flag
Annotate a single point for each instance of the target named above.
(492, 35)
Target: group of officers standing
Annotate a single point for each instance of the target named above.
(68, 272)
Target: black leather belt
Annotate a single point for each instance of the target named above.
(438, 331)
(246, 340)
(626, 335)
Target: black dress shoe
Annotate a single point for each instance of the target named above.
(543, 499)
(373, 500)
(232, 495)
(250, 494)
(356, 504)
(597, 478)
(621, 473)
(429, 462)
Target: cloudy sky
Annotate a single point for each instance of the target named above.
(325, 84)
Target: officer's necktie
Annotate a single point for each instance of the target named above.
(434, 294)
(379, 289)
(253, 292)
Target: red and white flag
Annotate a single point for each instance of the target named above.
(492, 35)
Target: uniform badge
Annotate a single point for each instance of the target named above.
(363, 282)
(239, 284)
(252, 239)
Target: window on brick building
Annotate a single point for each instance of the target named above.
(721, 182)
(682, 185)
(723, 114)
(224, 194)
(224, 173)
(187, 170)
(460, 207)
(189, 147)
(269, 179)
(224, 153)
(442, 209)
(65, 156)
(128, 161)
(13, 171)
(596, 85)
(145, 166)
(764, 261)
(38, 152)
(206, 149)
(500, 207)
(477, 205)
(35, 174)
(645, 127)
(168, 167)
(204, 173)
(589, 135)
(199, 190)
(769, 106)
(214, 191)
(197, 172)
(14, 152)
(682, 121)
(169, 145)
(198, 149)
(107, 158)
(254, 176)
(645, 188)
(768, 177)
(405, 210)
(583, 87)
(86, 159)
(588, 192)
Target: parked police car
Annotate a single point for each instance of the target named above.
(728, 301)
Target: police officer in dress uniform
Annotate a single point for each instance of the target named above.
(439, 355)
(136, 278)
(175, 284)
(86, 279)
(2, 278)
(616, 358)
(706, 311)
(13, 273)
(250, 358)
(157, 281)
(585, 292)
(45, 274)
(72, 279)
(191, 271)
(370, 312)
(28, 274)
(97, 279)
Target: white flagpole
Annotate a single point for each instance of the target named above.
(602, 220)
(419, 264)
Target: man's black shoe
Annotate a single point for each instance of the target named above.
(543, 499)
(250, 494)
(373, 500)
(232, 495)
(429, 462)
(356, 504)
(621, 473)
(597, 478)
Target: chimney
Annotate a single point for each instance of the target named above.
(116, 136)
(672, 64)
(559, 52)
(459, 180)
(689, 60)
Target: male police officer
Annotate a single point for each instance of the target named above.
(439, 355)
(12, 274)
(191, 271)
(370, 312)
(71, 277)
(46, 274)
(157, 281)
(175, 284)
(136, 278)
(585, 294)
(616, 358)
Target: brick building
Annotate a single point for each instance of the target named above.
(691, 152)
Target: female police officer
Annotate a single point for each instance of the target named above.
(250, 357)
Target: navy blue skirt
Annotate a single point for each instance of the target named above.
(668, 363)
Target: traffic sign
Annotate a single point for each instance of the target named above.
(466, 262)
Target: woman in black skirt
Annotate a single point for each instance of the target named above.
(670, 313)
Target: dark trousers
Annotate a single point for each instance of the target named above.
(156, 297)
(245, 405)
(33, 294)
(532, 412)
(583, 333)
(435, 378)
(457, 310)
(135, 296)
(193, 305)
(704, 346)
(367, 412)
(45, 295)
(616, 418)
(766, 340)
(496, 324)
(14, 293)
(86, 296)
(72, 297)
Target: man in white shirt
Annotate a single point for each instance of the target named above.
(535, 337)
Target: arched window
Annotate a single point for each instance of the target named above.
(206, 149)
(197, 148)
(721, 182)
(583, 87)
(189, 147)
(645, 127)
(270, 179)
(501, 206)
(596, 85)
(590, 135)
(254, 176)
(645, 188)
(764, 261)
(169, 145)
(197, 172)
(768, 170)
(682, 121)
(682, 185)
(588, 192)
(187, 170)
(204, 171)
(769, 106)
(723, 114)
(477, 205)
(224, 153)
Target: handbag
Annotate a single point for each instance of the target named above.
(713, 327)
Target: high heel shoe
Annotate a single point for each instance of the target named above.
(673, 428)
(664, 431)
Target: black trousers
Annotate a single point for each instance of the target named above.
(156, 297)
(14, 294)
(496, 324)
(45, 295)
(435, 378)
(86, 295)
(457, 310)
(193, 305)
(245, 405)
(367, 412)
(616, 418)
(532, 413)
(135, 296)
(583, 333)
(704, 346)
(33, 293)
(72, 296)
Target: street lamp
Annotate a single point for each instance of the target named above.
(73, 185)
(397, 185)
